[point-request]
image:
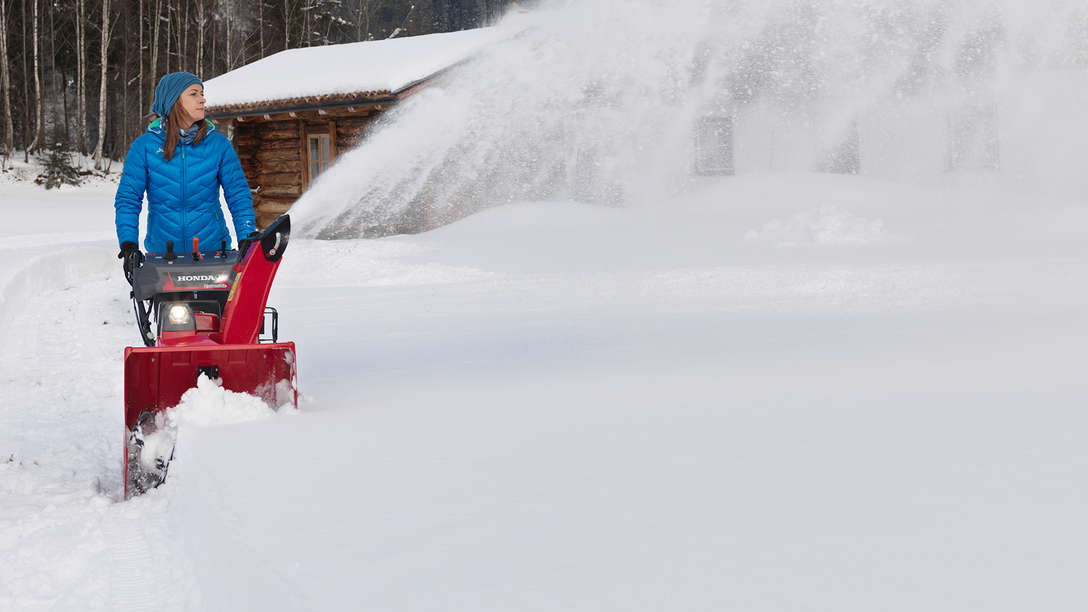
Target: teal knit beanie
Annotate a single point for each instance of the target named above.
(169, 88)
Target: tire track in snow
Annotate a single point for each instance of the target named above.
(130, 555)
(65, 317)
(145, 559)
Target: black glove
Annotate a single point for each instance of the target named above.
(243, 244)
(132, 257)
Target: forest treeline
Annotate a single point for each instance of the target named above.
(81, 74)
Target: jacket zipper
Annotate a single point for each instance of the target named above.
(182, 207)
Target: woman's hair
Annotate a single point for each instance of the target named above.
(173, 126)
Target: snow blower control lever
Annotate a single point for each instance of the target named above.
(204, 316)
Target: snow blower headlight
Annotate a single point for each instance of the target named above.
(178, 317)
(179, 314)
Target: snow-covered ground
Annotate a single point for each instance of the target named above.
(773, 392)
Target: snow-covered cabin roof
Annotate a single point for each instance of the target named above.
(316, 76)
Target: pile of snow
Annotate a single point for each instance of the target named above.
(829, 225)
(208, 404)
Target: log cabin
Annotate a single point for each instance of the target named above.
(290, 114)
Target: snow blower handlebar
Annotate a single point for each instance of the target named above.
(244, 311)
(212, 275)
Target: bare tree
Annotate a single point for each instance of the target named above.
(169, 22)
(260, 27)
(5, 82)
(236, 54)
(98, 165)
(230, 34)
(215, 39)
(185, 39)
(153, 71)
(178, 30)
(38, 114)
(201, 24)
(53, 63)
(362, 20)
(26, 92)
(307, 9)
(140, 57)
(81, 76)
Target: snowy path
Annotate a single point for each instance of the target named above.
(557, 408)
(70, 545)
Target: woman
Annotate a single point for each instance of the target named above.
(180, 162)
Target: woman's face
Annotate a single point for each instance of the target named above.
(192, 102)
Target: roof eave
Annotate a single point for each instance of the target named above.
(294, 105)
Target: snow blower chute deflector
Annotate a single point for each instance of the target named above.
(209, 311)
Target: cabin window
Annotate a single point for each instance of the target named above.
(320, 154)
(714, 145)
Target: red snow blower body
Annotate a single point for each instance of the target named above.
(202, 313)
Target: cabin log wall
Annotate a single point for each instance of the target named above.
(273, 151)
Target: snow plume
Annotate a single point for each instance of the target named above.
(618, 101)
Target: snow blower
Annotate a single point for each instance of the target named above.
(201, 313)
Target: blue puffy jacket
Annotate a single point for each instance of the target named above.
(183, 193)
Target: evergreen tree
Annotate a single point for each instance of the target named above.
(59, 169)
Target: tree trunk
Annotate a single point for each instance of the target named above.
(53, 62)
(179, 48)
(38, 114)
(359, 12)
(185, 39)
(140, 57)
(5, 82)
(98, 165)
(286, 25)
(153, 70)
(81, 77)
(64, 100)
(215, 39)
(123, 127)
(229, 31)
(328, 29)
(169, 23)
(260, 27)
(201, 24)
(26, 94)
